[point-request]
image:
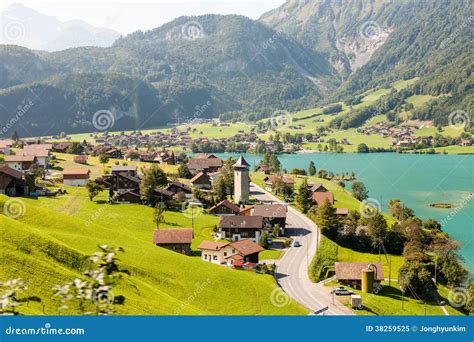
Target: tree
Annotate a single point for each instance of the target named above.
(432, 224)
(327, 220)
(414, 279)
(183, 171)
(158, 214)
(303, 197)
(363, 148)
(14, 136)
(264, 240)
(359, 191)
(322, 174)
(312, 168)
(154, 177)
(94, 188)
(74, 148)
(376, 228)
(103, 159)
(220, 189)
(399, 210)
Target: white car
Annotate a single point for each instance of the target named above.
(296, 244)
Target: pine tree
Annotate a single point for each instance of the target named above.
(303, 197)
(327, 220)
(312, 169)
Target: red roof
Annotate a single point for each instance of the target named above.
(74, 172)
(212, 245)
(174, 235)
(246, 247)
(19, 158)
(320, 197)
(270, 210)
(225, 203)
(200, 176)
(238, 263)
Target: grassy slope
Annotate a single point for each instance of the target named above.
(47, 246)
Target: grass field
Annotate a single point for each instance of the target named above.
(48, 244)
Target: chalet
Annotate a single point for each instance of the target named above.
(247, 211)
(350, 273)
(20, 162)
(82, 159)
(177, 239)
(230, 254)
(129, 196)
(201, 181)
(11, 182)
(235, 228)
(5, 146)
(76, 177)
(317, 187)
(120, 181)
(270, 182)
(130, 170)
(318, 198)
(273, 214)
(225, 208)
(263, 169)
(61, 147)
(342, 211)
(177, 187)
(114, 153)
(162, 195)
(204, 163)
(166, 157)
(463, 142)
(42, 155)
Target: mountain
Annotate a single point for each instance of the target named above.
(376, 42)
(234, 64)
(26, 27)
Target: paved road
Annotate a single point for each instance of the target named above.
(292, 270)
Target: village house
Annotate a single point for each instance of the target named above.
(81, 159)
(317, 187)
(201, 181)
(120, 181)
(270, 182)
(5, 146)
(20, 162)
(350, 273)
(178, 187)
(273, 214)
(11, 182)
(204, 163)
(236, 228)
(42, 155)
(318, 198)
(76, 177)
(230, 254)
(225, 208)
(128, 196)
(161, 195)
(263, 169)
(177, 239)
(130, 170)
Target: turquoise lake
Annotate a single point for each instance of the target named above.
(417, 180)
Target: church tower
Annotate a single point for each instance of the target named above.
(241, 181)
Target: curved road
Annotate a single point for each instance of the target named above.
(292, 270)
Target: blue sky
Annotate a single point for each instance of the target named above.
(127, 16)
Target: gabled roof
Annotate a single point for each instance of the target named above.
(199, 176)
(270, 210)
(320, 197)
(124, 168)
(204, 163)
(71, 172)
(11, 172)
(250, 222)
(246, 247)
(225, 203)
(316, 186)
(174, 235)
(181, 186)
(39, 153)
(284, 179)
(212, 245)
(353, 270)
(20, 158)
(164, 192)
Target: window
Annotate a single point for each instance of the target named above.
(214, 257)
(244, 234)
(225, 254)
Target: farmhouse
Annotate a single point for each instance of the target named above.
(272, 214)
(130, 170)
(236, 228)
(5, 146)
(230, 254)
(201, 181)
(317, 187)
(319, 197)
(177, 239)
(42, 155)
(179, 187)
(204, 163)
(11, 181)
(350, 273)
(225, 208)
(263, 169)
(81, 159)
(129, 196)
(76, 177)
(271, 180)
(20, 162)
(162, 195)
